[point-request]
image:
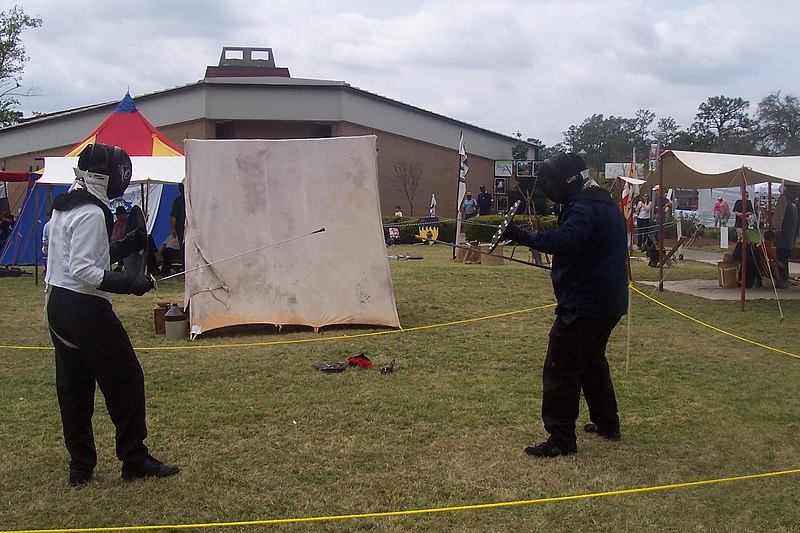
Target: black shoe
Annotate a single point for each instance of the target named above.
(548, 449)
(79, 477)
(610, 435)
(150, 467)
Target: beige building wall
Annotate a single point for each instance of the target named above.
(438, 165)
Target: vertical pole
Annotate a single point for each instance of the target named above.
(743, 188)
(630, 324)
(660, 219)
(458, 231)
(769, 205)
(36, 242)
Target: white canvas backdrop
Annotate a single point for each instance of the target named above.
(244, 195)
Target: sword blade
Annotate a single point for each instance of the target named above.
(320, 230)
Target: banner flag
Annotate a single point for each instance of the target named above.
(463, 168)
(629, 192)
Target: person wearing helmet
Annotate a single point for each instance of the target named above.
(91, 345)
(589, 276)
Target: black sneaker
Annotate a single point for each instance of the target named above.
(548, 449)
(150, 467)
(610, 435)
(79, 477)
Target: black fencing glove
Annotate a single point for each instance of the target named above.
(512, 230)
(520, 235)
(131, 243)
(125, 283)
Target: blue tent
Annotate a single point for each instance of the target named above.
(24, 245)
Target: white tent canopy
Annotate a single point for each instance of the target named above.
(153, 169)
(702, 170)
(251, 209)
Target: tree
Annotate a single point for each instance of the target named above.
(12, 61)
(779, 124)
(668, 131)
(407, 177)
(726, 123)
(610, 139)
(519, 152)
(642, 130)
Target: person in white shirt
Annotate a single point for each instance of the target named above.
(92, 347)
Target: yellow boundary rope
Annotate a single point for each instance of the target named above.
(411, 512)
(714, 328)
(438, 509)
(323, 339)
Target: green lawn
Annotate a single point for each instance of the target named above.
(262, 435)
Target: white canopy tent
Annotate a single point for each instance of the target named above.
(146, 169)
(703, 170)
(150, 171)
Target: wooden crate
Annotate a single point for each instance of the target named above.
(726, 274)
(495, 259)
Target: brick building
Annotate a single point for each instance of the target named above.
(246, 96)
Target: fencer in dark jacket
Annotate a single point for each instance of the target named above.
(590, 282)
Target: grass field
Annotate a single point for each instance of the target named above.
(261, 435)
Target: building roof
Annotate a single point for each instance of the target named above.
(265, 97)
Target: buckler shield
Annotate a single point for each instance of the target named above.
(501, 229)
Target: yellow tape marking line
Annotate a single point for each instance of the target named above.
(413, 511)
(714, 328)
(297, 341)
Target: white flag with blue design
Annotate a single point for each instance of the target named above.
(462, 170)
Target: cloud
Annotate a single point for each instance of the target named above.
(509, 65)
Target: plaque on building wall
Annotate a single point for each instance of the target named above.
(524, 169)
(503, 168)
(500, 185)
(502, 203)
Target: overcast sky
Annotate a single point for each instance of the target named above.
(536, 67)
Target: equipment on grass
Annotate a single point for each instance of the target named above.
(332, 367)
(407, 256)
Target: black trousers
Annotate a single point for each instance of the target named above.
(575, 361)
(783, 255)
(642, 230)
(104, 355)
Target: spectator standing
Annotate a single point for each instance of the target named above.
(742, 215)
(470, 206)
(177, 220)
(121, 219)
(722, 212)
(785, 223)
(6, 225)
(484, 202)
(643, 211)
